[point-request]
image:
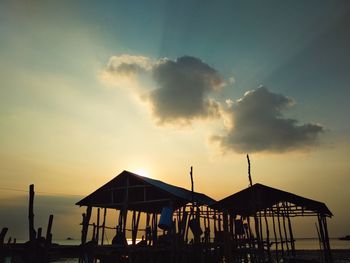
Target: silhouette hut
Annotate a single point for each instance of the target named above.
(129, 193)
(249, 214)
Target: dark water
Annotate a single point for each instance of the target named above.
(301, 244)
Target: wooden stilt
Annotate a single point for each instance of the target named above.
(103, 225)
(251, 242)
(280, 230)
(98, 225)
(85, 227)
(226, 237)
(330, 257)
(148, 230)
(291, 234)
(275, 235)
(324, 245)
(208, 227)
(267, 238)
(285, 229)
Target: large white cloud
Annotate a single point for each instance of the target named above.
(256, 124)
(182, 90)
(180, 87)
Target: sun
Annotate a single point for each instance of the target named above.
(142, 172)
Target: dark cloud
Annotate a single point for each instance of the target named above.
(257, 124)
(183, 86)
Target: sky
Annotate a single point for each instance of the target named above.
(92, 88)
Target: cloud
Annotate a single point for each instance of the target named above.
(128, 64)
(180, 87)
(125, 70)
(256, 124)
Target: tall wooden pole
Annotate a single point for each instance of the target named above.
(249, 175)
(31, 213)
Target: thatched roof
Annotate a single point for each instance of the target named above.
(141, 194)
(259, 197)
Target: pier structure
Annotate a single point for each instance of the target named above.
(257, 223)
(137, 219)
(163, 222)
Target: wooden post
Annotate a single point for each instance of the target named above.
(85, 228)
(275, 235)
(3, 234)
(31, 213)
(183, 226)
(48, 230)
(39, 235)
(267, 238)
(291, 233)
(208, 230)
(98, 225)
(251, 240)
(147, 229)
(103, 225)
(321, 228)
(330, 257)
(284, 228)
(227, 244)
(249, 174)
(133, 227)
(93, 238)
(279, 229)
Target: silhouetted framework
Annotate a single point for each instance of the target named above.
(257, 224)
(163, 222)
(152, 221)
